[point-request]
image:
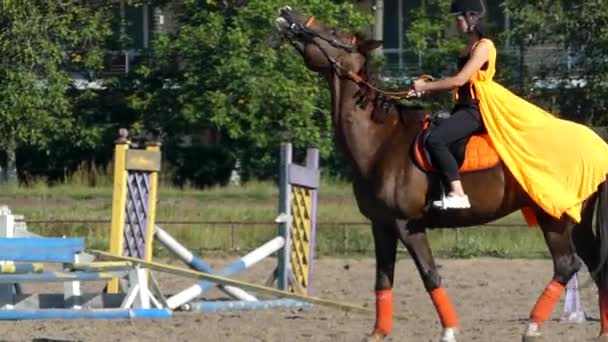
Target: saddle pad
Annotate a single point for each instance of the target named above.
(479, 155)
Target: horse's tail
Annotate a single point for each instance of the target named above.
(601, 231)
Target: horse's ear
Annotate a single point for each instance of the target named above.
(367, 45)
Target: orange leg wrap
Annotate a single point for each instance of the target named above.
(544, 306)
(444, 308)
(604, 310)
(384, 312)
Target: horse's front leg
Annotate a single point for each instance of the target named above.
(413, 236)
(385, 240)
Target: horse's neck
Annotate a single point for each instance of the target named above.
(362, 139)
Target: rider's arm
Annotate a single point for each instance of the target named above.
(479, 56)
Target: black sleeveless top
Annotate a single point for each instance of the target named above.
(464, 91)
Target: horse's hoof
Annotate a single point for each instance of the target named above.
(375, 337)
(533, 333)
(448, 335)
(603, 338)
(534, 338)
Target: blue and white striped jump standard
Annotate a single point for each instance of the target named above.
(240, 265)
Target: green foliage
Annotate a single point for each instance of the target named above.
(219, 71)
(580, 92)
(38, 40)
(199, 166)
(535, 22)
(41, 43)
(428, 37)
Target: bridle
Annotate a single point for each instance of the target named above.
(305, 29)
(300, 29)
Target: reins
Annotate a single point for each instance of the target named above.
(393, 95)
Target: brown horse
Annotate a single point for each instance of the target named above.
(393, 192)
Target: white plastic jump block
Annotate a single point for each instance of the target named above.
(573, 309)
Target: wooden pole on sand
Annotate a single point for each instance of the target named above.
(184, 272)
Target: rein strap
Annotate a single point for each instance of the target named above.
(394, 95)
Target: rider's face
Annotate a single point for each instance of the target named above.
(462, 24)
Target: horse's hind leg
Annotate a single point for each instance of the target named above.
(565, 265)
(385, 240)
(413, 236)
(588, 248)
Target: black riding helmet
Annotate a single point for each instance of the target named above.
(472, 10)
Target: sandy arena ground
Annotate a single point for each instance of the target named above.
(492, 296)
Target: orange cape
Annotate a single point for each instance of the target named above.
(559, 163)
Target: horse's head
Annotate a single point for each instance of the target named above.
(323, 47)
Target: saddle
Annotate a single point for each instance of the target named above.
(473, 154)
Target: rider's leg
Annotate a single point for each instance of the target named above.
(463, 123)
(456, 186)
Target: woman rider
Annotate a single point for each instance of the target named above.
(540, 150)
(466, 117)
(558, 163)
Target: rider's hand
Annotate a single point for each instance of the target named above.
(419, 86)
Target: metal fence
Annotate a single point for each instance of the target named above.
(404, 64)
(333, 238)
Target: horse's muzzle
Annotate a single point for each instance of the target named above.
(282, 24)
(290, 21)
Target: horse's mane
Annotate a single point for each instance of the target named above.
(383, 106)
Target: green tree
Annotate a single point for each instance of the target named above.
(39, 40)
(429, 37)
(219, 70)
(576, 85)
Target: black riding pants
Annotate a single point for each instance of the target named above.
(464, 122)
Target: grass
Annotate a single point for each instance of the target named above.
(249, 212)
